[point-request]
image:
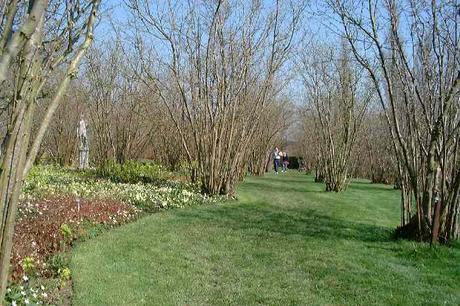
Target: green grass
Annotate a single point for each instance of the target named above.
(284, 242)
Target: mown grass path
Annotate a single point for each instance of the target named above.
(284, 242)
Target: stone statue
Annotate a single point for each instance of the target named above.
(84, 145)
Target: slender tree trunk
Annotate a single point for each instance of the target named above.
(12, 182)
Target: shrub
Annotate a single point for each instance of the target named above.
(66, 231)
(90, 229)
(65, 274)
(28, 265)
(58, 262)
(133, 172)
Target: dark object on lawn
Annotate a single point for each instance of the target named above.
(293, 162)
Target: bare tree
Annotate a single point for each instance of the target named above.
(59, 144)
(306, 144)
(410, 50)
(339, 98)
(214, 65)
(126, 119)
(374, 152)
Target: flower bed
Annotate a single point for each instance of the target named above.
(44, 232)
(49, 181)
(38, 234)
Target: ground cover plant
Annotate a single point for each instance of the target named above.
(134, 172)
(283, 242)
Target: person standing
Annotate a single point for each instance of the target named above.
(276, 159)
(285, 161)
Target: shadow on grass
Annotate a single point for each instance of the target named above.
(304, 222)
(281, 179)
(369, 187)
(285, 184)
(285, 188)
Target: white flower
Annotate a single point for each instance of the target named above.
(8, 290)
(34, 295)
(23, 293)
(25, 278)
(26, 301)
(42, 287)
(45, 295)
(13, 303)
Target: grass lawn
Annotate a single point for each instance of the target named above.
(284, 242)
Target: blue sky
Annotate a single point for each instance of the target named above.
(111, 10)
(315, 22)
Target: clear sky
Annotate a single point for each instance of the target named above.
(112, 10)
(315, 22)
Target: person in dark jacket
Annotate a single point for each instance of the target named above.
(285, 161)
